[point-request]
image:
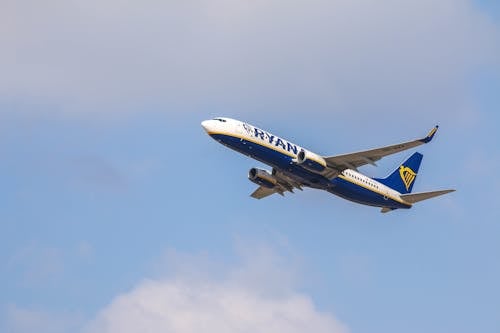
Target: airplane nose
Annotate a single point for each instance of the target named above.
(205, 124)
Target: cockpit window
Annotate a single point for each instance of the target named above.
(220, 119)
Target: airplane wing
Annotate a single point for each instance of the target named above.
(262, 192)
(355, 160)
(284, 184)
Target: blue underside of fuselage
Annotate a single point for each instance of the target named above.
(283, 162)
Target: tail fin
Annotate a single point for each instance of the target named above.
(404, 176)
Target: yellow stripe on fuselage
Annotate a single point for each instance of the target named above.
(268, 145)
(259, 142)
(282, 151)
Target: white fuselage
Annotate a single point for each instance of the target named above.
(282, 155)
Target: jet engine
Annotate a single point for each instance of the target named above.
(311, 161)
(262, 177)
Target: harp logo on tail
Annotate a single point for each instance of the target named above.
(407, 175)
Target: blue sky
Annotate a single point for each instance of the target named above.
(120, 214)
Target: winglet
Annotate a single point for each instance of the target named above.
(429, 136)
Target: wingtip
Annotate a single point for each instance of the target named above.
(431, 134)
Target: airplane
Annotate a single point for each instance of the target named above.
(294, 167)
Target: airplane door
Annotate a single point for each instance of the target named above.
(242, 133)
(239, 129)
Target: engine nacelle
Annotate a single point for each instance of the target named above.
(262, 177)
(311, 161)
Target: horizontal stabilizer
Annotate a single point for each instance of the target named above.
(416, 197)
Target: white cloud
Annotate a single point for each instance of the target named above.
(331, 56)
(230, 303)
(176, 306)
(197, 294)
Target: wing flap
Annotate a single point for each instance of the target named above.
(416, 197)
